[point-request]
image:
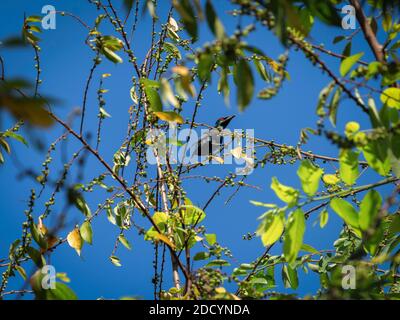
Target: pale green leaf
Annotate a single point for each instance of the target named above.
(349, 62)
(369, 209)
(271, 228)
(391, 97)
(349, 170)
(87, 232)
(309, 175)
(293, 241)
(285, 193)
(346, 211)
(124, 241)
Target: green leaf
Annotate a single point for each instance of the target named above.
(323, 98)
(262, 204)
(349, 62)
(295, 228)
(115, 260)
(76, 198)
(201, 256)
(38, 236)
(191, 214)
(325, 11)
(306, 21)
(100, 18)
(369, 209)
(154, 99)
(349, 171)
(148, 83)
(245, 84)
(309, 175)
(271, 227)
(323, 218)
(374, 241)
(386, 22)
(206, 61)
(376, 152)
(261, 69)
(333, 105)
(289, 277)
(112, 56)
(338, 39)
(33, 19)
(61, 291)
(21, 271)
(112, 43)
(223, 85)
(32, 110)
(211, 238)
(16, 136)
(391, 97)
(171, 48)
(187, 14)
(36, 257)
(124, 241)
(308, 248)
(394, 225)
(160, 219)
(347, 50)
(87, 232)
(285, 193)
(213, 21)
(218, 263)
(346, 211)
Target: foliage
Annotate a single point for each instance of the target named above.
(177, 71)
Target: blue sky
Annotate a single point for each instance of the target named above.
(65, 64)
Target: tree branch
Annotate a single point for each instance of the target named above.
(369, 34)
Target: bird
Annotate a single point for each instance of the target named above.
(211, 143)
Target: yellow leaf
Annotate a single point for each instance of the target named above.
(218, 159)
(186, 80)
(274, 65)
(42, 228)
(220, 290)
(172, 24)
(51, 239)
(330, 179)
(169, 116)
(181, 70)
(164, 239)
(237, 152)
(168, 94)
(391, 96)
(75, 240)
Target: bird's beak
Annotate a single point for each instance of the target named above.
(226, 121)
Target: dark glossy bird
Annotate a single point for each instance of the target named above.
(223, 122)
(211, 143)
